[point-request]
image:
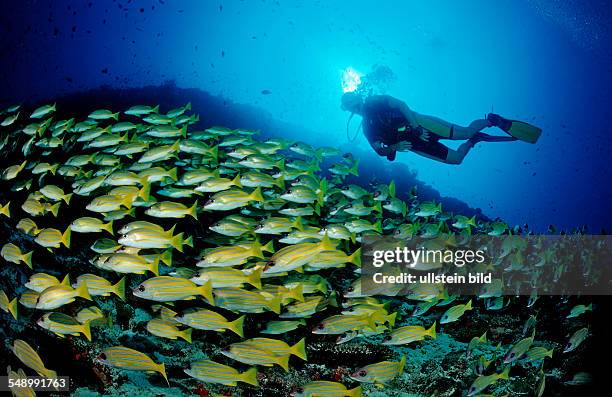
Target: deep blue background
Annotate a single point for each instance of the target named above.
(542, 61)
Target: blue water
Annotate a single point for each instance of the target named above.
(541, 61)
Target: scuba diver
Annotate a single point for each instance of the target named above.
(390, 126)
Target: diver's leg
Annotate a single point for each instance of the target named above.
(447, 130)
(475, 127)
(457, 156)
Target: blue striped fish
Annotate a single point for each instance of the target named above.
(167, 329)
(211, 372)
(31, 359)
(167, 289)
(210, 321)
(60, 295)
(380, 373)
(244, 301)
(62, 324)
(99, 286)
(325, 389)
(126, 358)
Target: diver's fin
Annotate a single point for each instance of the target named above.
(481, 137)
(518, 129)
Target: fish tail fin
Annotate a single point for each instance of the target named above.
(177, 242)
(236, 181)
(280, 182)
(27, 258)
(193, 210)
(505, 373)
(549, 353)
(119, 289)
(12, 308)
(355, 257)
(255, 278)
(268, 247)
(184, 131)
(236, 326)
(162, 371)
(326, 244)
(115, 116)
(392, 189)
(154, 266)
(356, 392)
(109, 227)
(49, 373)
(54, 209)
(66, 280)
(188, 241)
(297, 293)
(378, 207)
(6, 210)
(590, 307)
(83, 292)
(274, 304)
(166, 257)
(206, 291)
(67, 197)
(53, 168)
(155, 109)
(402, 364)
(249, 376)
(86, 330)
(391, 319)
(176, 145)
(404, 209)
(317, 208)
(355, 168)
(186, 334)
(188, 106)
(432, 331)
(256, 195)
(214, 152)
(299, 349)
(173, 174)
(468, 305)
(66, 237)
(283, 362)
(297, 223)
(280, 164)
(322, 286)
(378, 226)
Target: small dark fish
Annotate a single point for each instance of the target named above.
(222, 53)
(104, 71)
(266, 92)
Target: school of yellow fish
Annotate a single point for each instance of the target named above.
(145, 181)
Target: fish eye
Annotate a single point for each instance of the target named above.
(472, 389)
(350, 289)
(226, 349)
(141, 288)
(270, 264)
(102, 356)
(377, 193)
(512, 355)
(387, 338)
(289, 191)
(320, 326)
(350, 309)
(363, 372)
(299, 390)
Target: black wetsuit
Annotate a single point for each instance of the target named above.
(381, 123)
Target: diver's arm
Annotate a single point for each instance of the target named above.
(401, 105)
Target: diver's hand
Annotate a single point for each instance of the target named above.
(402, 146)
(424, 136)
